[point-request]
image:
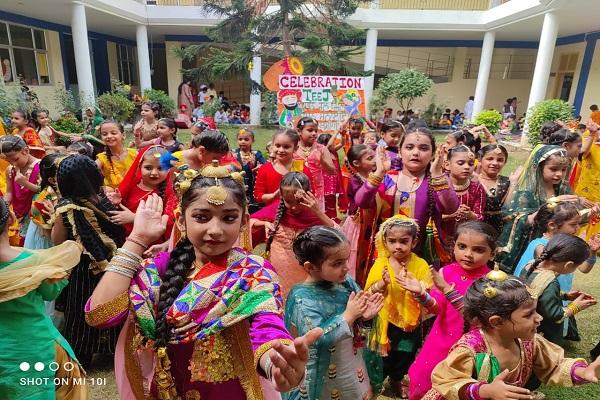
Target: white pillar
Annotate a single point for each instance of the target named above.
(483, 76)
(255, 75)
(143, 56)
(370, 58)
(543, 64)
(81, 48)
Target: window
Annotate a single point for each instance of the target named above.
(127, 64)
(23, 54)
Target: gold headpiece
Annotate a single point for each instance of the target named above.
(185, 176)
(216, 194)
(495, 275)
(497, 150)
(552, 202)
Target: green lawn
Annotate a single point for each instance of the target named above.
(587, 321)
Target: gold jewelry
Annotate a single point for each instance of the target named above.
(439, 183)
(574, 308)
(374, 180)
(463, 187)
(497, 275)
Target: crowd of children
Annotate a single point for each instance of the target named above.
(383, 256)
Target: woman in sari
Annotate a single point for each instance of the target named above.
(205, 321)
(544, 177)
(27, 279)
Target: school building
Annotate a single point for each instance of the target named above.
(492, 49)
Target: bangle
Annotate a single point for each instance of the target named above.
(439, 183)
(121, 271)
(137, 241)
(374, 180)
(574, 308)
(128, 254)
(577, 380)
(473, 391)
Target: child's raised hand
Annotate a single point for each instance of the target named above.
(594, 243)
(584, 301)
(591, 372)
(435, 168)
(20, 178)
(410, 283)
(114, 196)
(385, 277)
(355, 307)
(438, 280)
(374, 305)
(125, 216)
(308, 200)
(382, 163)
(498, 390)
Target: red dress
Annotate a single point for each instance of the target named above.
(268, 179)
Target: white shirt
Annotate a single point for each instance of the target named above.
(469, 109)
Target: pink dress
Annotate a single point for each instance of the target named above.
(313, 164)
(446, 330)
(332, 184)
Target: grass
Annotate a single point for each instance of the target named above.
(103, 367)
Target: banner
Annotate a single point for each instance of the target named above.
(328, 99)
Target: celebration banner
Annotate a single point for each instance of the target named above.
(328, 99)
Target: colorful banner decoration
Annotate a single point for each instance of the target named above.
(328, 99)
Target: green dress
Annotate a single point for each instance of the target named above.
(27, 335)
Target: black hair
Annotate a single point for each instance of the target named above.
(212, 140)
(312, 244)
(183, 255)
(562, 136)
(154, 106)
(324, 138)
(23, 113)
(82, 182)
(479, 308)
(9, 143)
(392, 125)
(461, 148)
(557, 213)
(48, 169)
(294, 179)
(35, 114)
(467, 138)
(356, 152)
(354, 121)
(248, 131)
(411, 227)
(106, 148)
(290, 133)
(82, 147)
(562, 248)
(485, 230)
(548, 129)
(4, 215)
(306, 120)
(491, 147)
(169, 123)
(162, 187)
(594, 107)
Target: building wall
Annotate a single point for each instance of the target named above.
(591, 95)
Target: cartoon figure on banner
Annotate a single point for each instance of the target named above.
(351, 100)
(290, 99)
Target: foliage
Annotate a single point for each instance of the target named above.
(116, 106)
(211, 107)
(66, 100)
(314, 30)
(433, 110)
(269, 114)
(490, 118)
(120, 88)
(68, 123)
(167, 104)
(376, 104)
(546, 111)
(404, 87)
(8, 101)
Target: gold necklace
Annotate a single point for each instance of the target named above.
(306, 150)
(463, 187)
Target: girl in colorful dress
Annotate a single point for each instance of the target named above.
(204, 321)
(145, 132)
(586, 177)
(268, 177)
(474, 248)
(502, 352)
(498, 188)
(251, 161)
(352, 134)
(145, 176)
(47, 134)
(544, 177)
(332, 182)
(20, 123)
(562, 255)
(317, 158)
(403, 278)
(22, 183)
(43, 202)
(331, 300)
(281, 222)
(359, 223)
(27, 279)
(207, 146)
(116, 158)
(167, 135)
(471, 194)
(420, 190)
(82, 215)
(391, 135)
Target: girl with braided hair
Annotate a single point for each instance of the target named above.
(500, 353)
(562, 255)
(280, 222)
(144, 177)
(204, 321)
(82, 215)
(116, 158)
(28, 278)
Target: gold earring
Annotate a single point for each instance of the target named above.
(183, 235)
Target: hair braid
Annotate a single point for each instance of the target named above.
(280, 213)
(162, 187)
(180, 264)
(109, 157)
(546, 255)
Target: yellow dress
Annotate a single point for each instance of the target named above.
(115, 172)
(587, 183)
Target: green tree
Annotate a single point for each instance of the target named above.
(313, 30)
(404, 87)
(546, 111)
